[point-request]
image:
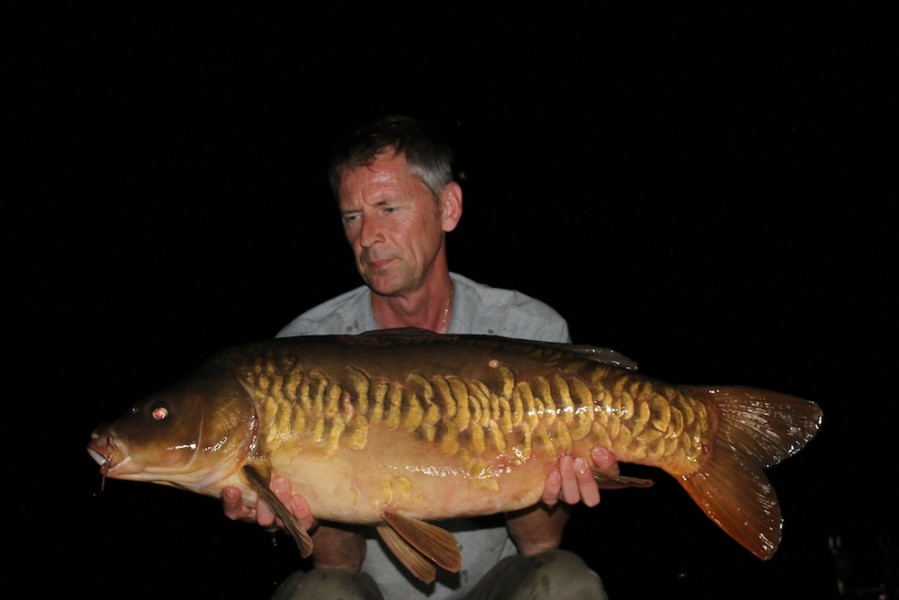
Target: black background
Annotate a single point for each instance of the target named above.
(708, 192)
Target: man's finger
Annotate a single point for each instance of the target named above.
(604, 460)
(233, 507)
(552, 487)
(300, 509)
(589, 489)
(265, 516)
(570, 492)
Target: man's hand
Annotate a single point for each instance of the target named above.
(540, 527)
(573, 481)
(262, 513)
(333, 547)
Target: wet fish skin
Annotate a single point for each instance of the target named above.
(395, 428)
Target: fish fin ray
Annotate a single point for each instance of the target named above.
(300, 535)
(769, 426)
(607, 481)
(756, 429)
(740, 500)
(436, 543)
(418, 564)
(605, 356)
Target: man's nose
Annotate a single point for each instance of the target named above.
(368, 232)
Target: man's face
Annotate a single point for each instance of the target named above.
(393, 224)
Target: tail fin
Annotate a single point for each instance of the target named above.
(757, 429)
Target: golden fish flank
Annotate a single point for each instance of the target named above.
(631, 417)
(396, 428)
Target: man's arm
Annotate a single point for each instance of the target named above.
(540, 527)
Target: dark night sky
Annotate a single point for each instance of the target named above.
(704, 191)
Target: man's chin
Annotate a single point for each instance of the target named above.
(381, 285)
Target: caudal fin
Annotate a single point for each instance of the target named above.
(757, 429)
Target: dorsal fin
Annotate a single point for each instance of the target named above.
(417, 331)
(599, 354)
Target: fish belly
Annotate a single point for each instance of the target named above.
(403, 473)
(434, 446)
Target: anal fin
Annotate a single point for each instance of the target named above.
(606, 481)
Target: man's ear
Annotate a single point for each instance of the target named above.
(451, 202)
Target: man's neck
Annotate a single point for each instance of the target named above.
(428, 308)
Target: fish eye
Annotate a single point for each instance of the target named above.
(159, 413)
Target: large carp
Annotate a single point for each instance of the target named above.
(401, 428)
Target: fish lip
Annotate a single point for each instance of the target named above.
(103, 449)
(100, 458)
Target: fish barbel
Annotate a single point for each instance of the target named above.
(399, 429)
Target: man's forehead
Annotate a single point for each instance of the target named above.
(384, 178)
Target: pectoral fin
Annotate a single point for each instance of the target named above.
(410, 537)
(300, 535)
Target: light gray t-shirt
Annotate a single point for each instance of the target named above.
(480, 309)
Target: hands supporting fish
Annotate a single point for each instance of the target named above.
(573, 481)
(540, 527)
(534, 529)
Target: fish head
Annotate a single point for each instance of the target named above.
(193, 435)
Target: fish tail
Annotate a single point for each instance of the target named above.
(756, 429)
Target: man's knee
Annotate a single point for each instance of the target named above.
(326, 583)
(563, 574)
(551, 575)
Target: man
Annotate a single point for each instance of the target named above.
(398, 200)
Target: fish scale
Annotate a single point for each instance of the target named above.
(629, 415)
(398, 428)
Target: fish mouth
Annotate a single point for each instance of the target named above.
(101, 459)
(102, 449)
